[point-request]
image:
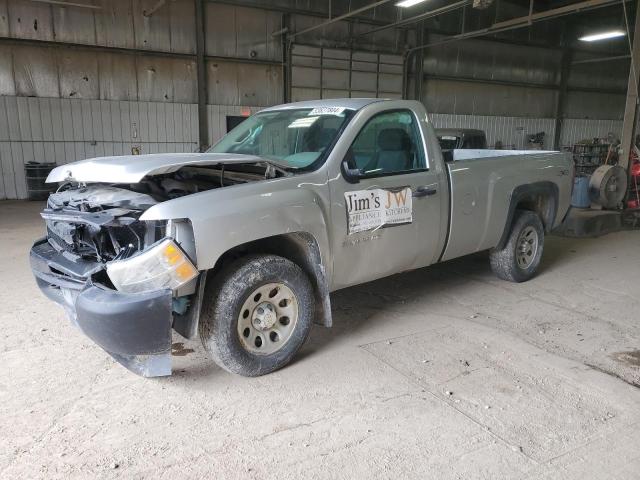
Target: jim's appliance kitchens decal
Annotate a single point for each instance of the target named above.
(376, 208)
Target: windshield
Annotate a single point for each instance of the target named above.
(292, 138)
(448, 142)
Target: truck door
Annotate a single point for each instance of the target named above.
(386, 205)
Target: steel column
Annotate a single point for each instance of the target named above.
(565, 70)
(286, 58)
(631, 105)
(201, 68)
(418, 73)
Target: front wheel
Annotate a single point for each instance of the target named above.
(518, 261)
(256, 315)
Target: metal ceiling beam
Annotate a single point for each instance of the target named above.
(68, 4)
(290, 10)
(511, 83)
(340, 18)
(601, 59)
(423, 16)
(154, 9)
(555, 12)
(526, 21)
(130, 51)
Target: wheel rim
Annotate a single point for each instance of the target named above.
(267, 319)
(527, 247)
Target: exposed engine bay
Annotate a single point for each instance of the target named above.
(100, 222)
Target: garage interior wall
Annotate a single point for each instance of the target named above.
(512, 90)
(121, 77)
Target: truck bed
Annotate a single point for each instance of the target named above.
(481, 184)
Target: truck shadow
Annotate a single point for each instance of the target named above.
(364, 306)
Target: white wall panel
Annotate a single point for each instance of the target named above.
(511, 131)
(64, 130)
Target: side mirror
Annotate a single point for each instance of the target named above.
(351, 175)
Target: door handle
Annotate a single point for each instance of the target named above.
(424, 191)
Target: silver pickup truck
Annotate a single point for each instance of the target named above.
(243, 244)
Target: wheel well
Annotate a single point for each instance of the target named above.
(541, 197)
(302, 249)
(542, 204)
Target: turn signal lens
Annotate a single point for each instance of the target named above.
(163, 265)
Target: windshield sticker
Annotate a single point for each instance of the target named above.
(304, 122)
(326, 111)
(373, 209)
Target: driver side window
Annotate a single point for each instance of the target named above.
(389, 143)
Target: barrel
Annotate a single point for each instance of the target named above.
(36, 174)
(580, 195)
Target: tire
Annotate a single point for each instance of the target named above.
(240, 305)
(512, 262)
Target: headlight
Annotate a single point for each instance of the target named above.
(164, 265)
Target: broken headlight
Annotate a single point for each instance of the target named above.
(163, 265)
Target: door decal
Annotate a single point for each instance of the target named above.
(376, 208)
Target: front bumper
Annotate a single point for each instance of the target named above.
(135, 329)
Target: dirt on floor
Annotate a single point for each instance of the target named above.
(443, 373)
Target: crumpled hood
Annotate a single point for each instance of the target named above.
(133, 168)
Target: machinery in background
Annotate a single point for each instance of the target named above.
(633, 196)
(535, 141)
(590, 154)
(598, 180)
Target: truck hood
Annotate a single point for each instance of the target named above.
(133, 168)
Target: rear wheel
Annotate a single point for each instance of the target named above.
(257, 314)
(520, 258)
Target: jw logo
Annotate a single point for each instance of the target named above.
(397, 199)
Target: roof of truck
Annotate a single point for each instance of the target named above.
(348, 103)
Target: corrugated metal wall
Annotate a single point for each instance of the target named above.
(64, 103)
(512, 132)
(480, 77)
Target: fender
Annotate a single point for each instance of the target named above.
(531, 192)
(226, 218)
(299, 247)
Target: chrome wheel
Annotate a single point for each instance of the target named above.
(267, 318)
(527, 247)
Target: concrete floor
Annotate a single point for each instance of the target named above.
(440, 373)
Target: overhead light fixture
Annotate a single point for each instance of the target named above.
(602, 36)
(409, 3)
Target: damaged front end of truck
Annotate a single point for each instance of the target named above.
(124, 281)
